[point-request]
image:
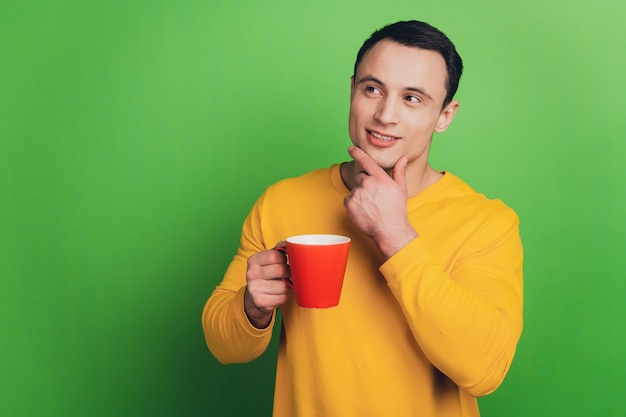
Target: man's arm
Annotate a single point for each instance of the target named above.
(467, 322)
(238, 317)
(229, 334)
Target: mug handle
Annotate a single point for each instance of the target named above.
(288, 281)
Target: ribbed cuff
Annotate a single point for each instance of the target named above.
(242, 318)
(412, 253)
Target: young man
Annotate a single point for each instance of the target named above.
(431, 306)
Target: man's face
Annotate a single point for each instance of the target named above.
(396, 103)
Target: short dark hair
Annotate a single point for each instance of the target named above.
(420, 35)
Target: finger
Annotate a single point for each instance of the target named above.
(265, 258)
(275, 287)
(346, 202)
(281, 244)
(369, 165)
(274, 257)
(399, 172)
(281, 247)
(276, 272)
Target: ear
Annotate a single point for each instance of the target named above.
(351, 87)
(446, 116)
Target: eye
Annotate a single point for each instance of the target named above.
(413, 99)
(370, 89)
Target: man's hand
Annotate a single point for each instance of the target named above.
(266, 289)
(378, 205)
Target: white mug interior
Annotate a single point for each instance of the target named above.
(318, 239)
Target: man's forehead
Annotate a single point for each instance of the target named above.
(413, 67)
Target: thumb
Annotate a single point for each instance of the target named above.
(399, 172)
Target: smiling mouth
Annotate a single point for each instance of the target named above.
(381, 137)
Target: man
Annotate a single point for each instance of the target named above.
(431, 307)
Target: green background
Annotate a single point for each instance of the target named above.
(136, 135)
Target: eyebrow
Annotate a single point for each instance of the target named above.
(371, 78)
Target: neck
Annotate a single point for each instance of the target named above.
(420, 178)
(417, 178)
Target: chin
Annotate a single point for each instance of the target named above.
(387, 167)
(386, 162)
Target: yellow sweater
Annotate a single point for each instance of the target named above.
(422, 334)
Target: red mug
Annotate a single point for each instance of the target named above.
(318, 264)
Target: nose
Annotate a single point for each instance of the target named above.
(387, 111)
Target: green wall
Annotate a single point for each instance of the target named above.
(135, 136)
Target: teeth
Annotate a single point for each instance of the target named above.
(381, 137)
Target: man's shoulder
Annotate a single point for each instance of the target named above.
(306, 191)
(321, 177)
(472, 200)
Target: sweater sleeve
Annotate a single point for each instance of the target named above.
(468, 319)
(229, 334)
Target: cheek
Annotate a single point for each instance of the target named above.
(353, 116)
(359, 111)
(353, 109)
(425, 124)
(352, 127)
